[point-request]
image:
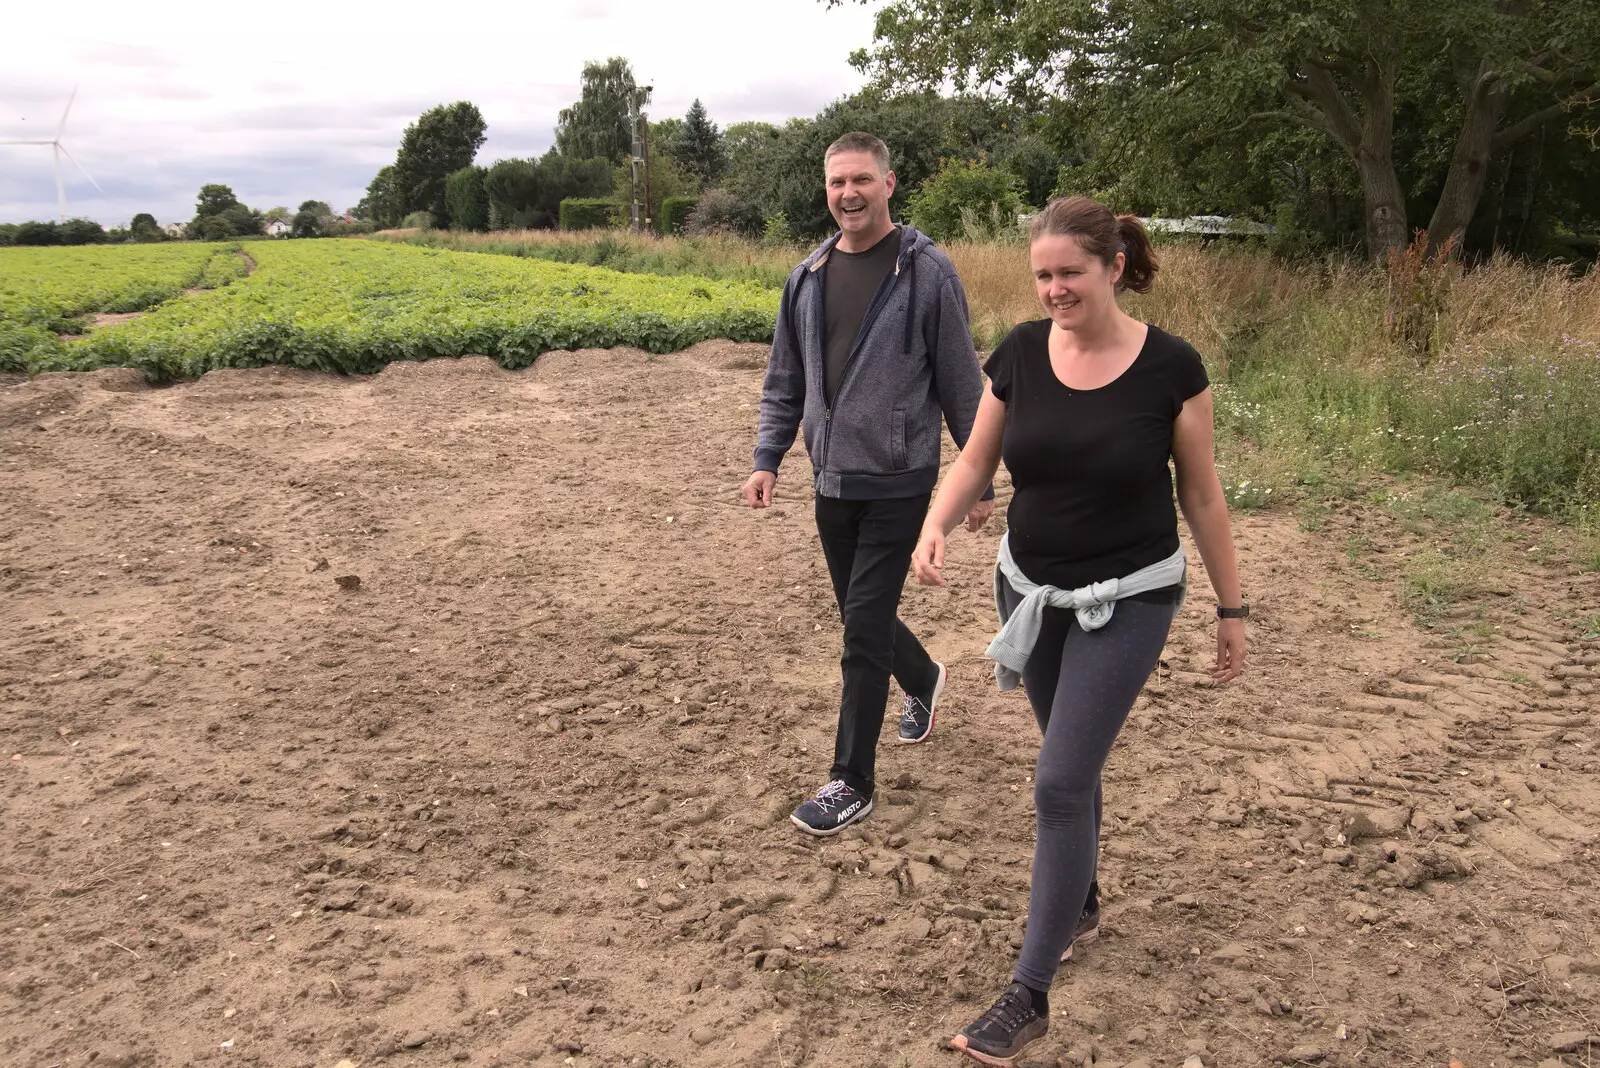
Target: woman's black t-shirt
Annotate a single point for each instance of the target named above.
(1092, 493)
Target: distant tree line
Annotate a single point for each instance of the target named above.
(1476, 121)
(142, 229)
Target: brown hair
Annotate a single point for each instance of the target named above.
(1102, 235)
(859, 141)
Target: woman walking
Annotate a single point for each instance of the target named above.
(1086, 407)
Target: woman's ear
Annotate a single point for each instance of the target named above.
(1118, 265)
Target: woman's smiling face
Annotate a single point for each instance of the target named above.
(1074, 287)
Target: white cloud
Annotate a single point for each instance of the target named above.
(306, 100)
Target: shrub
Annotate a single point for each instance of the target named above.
(465, 198)
(589, 213)
(418, 220)
(82, 232)
(959, 185)
(675, 211)
(721, 212)
(37, 233)
(777, 233)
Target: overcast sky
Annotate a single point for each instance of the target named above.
(297, 101)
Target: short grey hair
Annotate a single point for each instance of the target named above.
(859, 141)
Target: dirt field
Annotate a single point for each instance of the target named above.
(520, 797)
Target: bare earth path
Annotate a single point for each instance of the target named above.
(519, 798)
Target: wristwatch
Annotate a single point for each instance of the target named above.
(1242, 612)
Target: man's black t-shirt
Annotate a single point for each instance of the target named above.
(850, 281)
(1092, 491)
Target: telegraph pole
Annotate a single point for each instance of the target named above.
(635, 154)
(645, 158)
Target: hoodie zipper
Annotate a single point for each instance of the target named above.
(878, 301)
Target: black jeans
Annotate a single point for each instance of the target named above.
(868, 545)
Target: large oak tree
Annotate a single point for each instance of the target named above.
(1481, 75)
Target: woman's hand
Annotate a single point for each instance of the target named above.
(927, 561)
(1230, 650)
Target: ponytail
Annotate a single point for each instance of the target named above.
(1139, 256)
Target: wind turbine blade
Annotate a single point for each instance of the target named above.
(27, 142)
(78, 165)
(63, 127)
(61, 190)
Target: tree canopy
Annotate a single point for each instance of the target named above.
(441, 141)
(598, 124)
(1178, 92)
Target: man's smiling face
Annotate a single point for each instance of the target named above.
(858, 195)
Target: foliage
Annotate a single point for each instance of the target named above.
(82, 232)
(313, 219)
(464, 195)
(353, 306)
(698, 149)
(719, 211)
(443, 140)
(383, 203)
(598, 123)
(722, 257)
(674, 212)
(775, 232)
(590, 213)
(1180, 95)
(525, 193)
(145, 228)
(219, 215)
(664, 180)
(47, 291)
(782, 171)
(36, 233)
(936, 208)
(418, 220)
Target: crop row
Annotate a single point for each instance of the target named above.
(45, 292)
(353, 306)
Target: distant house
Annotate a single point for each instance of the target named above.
(276, 228)
(173, 229)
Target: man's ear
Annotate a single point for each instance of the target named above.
(888, 181)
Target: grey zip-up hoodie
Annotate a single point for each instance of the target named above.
(912, 363)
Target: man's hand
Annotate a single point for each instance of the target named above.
(980, 514)
(757, 490)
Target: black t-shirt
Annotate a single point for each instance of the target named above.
(849, 282)
(1092, 491)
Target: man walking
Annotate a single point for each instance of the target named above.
(871, 348)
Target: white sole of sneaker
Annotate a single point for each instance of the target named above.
(933, 709)
(859, 815)
(1082, 940)
(960, 1043)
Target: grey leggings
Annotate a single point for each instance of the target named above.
(1081, 685)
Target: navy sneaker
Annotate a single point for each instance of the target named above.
(916, 722)
(836, 806)
(1000, 1035)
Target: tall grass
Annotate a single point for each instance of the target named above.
(1325, 372)
(721, 258)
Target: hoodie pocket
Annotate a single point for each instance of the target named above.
(897, 439)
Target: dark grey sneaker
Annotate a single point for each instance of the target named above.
(836, 806)
(1001, 1034)
(1088, 923)
(916, 722)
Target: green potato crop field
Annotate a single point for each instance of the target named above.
(343, 306)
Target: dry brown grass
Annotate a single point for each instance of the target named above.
(1210, 295)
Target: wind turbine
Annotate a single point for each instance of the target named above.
(59, 148)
